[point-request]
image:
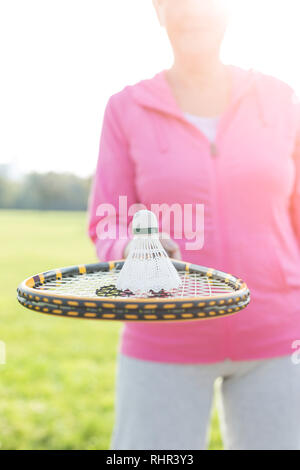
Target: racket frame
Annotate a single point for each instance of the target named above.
(127, 308)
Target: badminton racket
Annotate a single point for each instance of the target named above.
(89, 292)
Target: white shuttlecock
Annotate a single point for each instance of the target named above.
(147, 266)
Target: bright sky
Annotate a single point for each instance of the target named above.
(62, 59)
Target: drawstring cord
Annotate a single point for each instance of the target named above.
(261, 109)
(160, 135)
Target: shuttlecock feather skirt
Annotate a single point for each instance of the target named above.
(147, 267)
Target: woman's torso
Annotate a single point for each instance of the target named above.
(243, 185)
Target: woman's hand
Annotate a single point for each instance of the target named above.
(171, 247)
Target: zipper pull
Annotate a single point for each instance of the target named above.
(213, 149)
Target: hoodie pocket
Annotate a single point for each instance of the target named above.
(260, 266)
(290, 268)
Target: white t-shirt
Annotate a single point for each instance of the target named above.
(208, 125)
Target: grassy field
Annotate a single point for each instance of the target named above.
(57, 386)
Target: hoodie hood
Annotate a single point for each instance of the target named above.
(155, 93)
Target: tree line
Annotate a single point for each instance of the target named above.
(45, 191)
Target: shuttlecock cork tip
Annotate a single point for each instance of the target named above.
(144, 222)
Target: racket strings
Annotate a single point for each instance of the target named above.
(86, 285)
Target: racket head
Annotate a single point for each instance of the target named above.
(71, 291)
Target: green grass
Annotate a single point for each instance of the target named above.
(57, 386)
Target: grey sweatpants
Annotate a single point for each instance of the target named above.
(168, 406)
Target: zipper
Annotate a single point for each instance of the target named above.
(213, 149)
(221, 228)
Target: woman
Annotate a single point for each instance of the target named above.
(205, 132)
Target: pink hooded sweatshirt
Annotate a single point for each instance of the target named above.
(249, 184)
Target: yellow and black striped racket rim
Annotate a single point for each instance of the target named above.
(124, 315)
(35, 293)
